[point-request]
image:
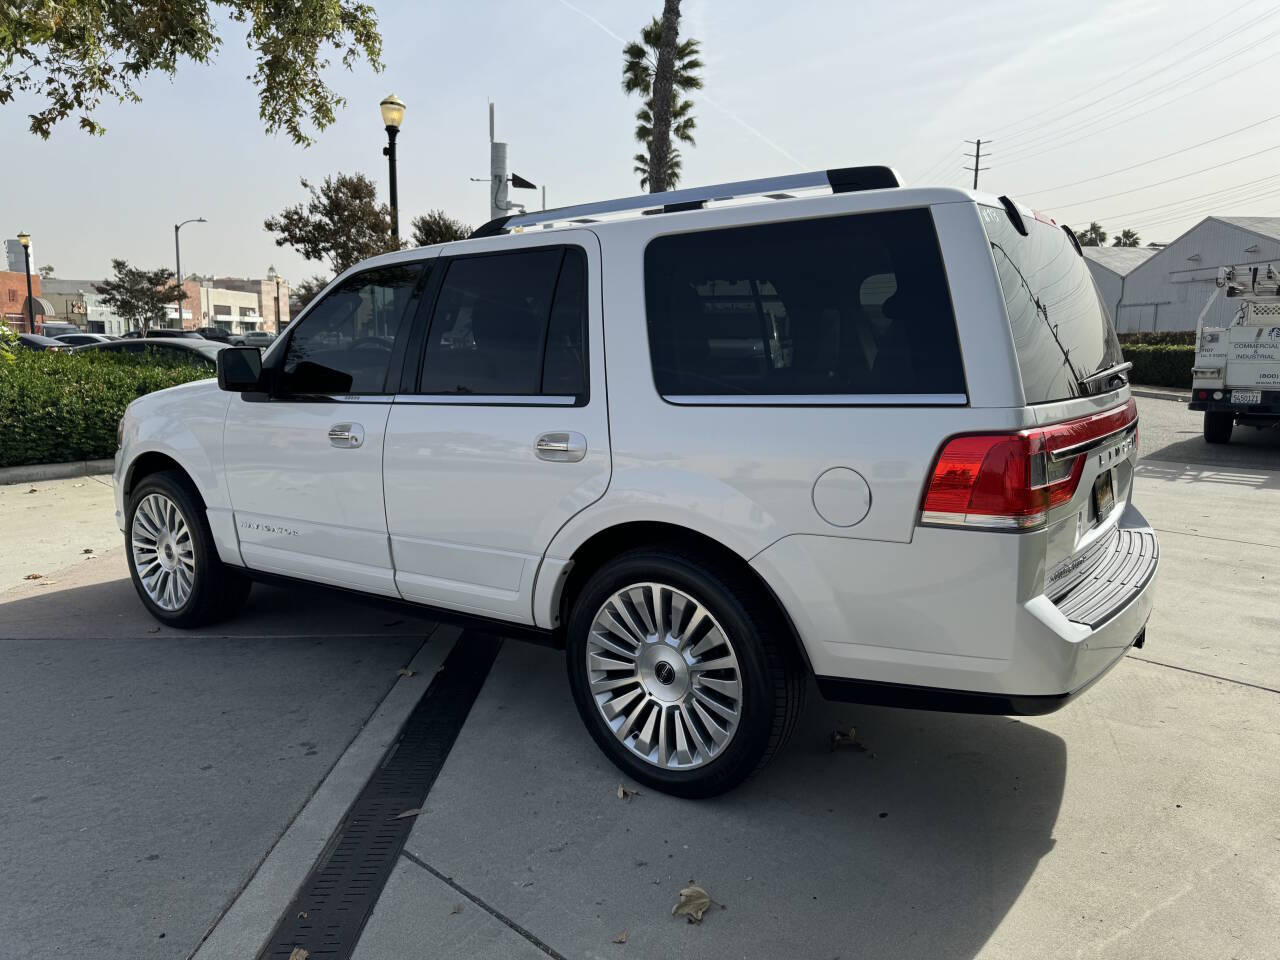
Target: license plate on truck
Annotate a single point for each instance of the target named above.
(1246, 396)
(1104, 495)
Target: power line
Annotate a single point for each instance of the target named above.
(1204, 210)
(1161, 183)
(1146, 77)
(1069, 134)
(1166, 156)
(1185, 200)
(1141, 63)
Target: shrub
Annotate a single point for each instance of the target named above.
(57, 407)
(1161, 364)
(1165, 337)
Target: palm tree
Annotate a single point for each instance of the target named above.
(673, 169)
(662, 73)
(1127, 238)
(1095, 236)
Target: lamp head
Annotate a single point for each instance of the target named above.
(392, 111)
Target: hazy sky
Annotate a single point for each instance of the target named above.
(1070, 95)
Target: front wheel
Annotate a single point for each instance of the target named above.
(172, 557)
(1218, 427)
(683, 676)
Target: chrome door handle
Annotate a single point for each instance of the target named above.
(346, 435)
(561, 447)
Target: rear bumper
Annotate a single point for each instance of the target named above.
(1269, 405)
(957, 619)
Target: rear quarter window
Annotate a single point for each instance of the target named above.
(838, 306)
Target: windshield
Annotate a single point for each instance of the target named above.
(1061, 330)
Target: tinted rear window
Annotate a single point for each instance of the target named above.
(842, 305)
(1061, 330)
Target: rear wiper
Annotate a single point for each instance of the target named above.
(1116, 370)
(1066, 354)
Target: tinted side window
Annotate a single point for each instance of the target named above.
(494, 330)
(344, 344)
(843, 305)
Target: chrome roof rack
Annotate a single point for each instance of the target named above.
(839, 180)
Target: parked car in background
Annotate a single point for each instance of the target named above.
(167, 333)
(57, 328)
(34, 341)
(879, 438)
(253, 338)
(80, 339)
(214, 333)
(200, 352)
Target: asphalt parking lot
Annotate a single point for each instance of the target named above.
(163, 794)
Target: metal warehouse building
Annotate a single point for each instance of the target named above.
(1168, 288)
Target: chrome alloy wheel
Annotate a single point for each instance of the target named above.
(664, 676)
(162, 551)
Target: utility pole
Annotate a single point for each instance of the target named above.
(498, 206)
(977, 160)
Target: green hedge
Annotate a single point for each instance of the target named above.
(58, 407)
(1160, 364)
(1186, 337)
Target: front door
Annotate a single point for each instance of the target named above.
(304, 464)
(502, 433)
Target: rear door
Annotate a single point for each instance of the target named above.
(501, 433)
(1063, 335)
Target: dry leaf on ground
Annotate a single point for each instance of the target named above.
(621, 938)
(299, 953)
(406, 672)
(87, 550)
(841, 739)
(33, 490)
(33, 576)
(626, 793)
(693, 903)
(457, 908)
(409, 813)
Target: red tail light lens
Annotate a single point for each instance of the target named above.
(1010, 481)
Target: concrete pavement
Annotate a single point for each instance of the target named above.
(1140, 821)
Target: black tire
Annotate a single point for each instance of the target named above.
(217, 591)
(772, 676)
(1218, 427)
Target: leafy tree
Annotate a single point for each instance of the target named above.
(662, 69)
(8, 341)
(46, 272)
(342, 222)
(302, 293)
(72, 54)
(140, 297)
(1127, 238)
(1094, 236)
(437, 227)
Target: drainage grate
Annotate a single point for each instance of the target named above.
(329, 912)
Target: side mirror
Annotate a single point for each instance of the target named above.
(240, 369)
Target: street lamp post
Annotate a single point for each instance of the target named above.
(392, 116)
(177, 256)
(276, 278)
(24, 238)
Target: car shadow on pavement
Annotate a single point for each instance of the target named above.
(912, 841)
(1250, 449)
(145, 771)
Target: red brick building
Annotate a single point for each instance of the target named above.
(13, 299)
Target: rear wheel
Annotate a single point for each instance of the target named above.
(172, 557)
(684, 678)
(1218, 426)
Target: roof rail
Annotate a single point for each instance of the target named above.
(839, 180)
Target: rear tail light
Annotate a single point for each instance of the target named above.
(1010, 481)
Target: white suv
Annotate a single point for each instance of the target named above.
(713, 442)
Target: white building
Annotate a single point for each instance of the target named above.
(1172, 287)
(1110, 266)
